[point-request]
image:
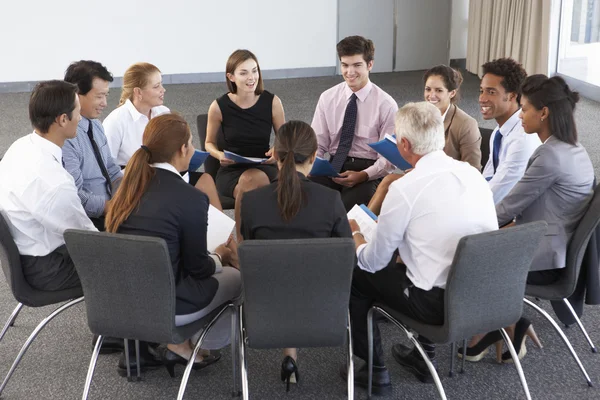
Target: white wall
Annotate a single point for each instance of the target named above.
(41, 37)
(459, 27)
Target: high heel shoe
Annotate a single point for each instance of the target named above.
(479, 351)
(170, 359)
(523, 328)
(289, 372)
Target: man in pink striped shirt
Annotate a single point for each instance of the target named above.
(348, 117)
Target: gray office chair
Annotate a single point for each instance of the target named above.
(486, 133)
(26, 295)
(212, 165)
(565, 286)
(130, 293)
(483, 293)
(296, 294)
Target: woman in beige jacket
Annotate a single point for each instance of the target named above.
(463, 139)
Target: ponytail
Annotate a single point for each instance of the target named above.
(289, 191)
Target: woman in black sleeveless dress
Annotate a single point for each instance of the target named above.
(246, 114)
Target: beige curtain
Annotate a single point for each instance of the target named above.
(509, 28)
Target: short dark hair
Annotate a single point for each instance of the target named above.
(452, 78)
(82, 73)
(49, 100)
(555, 94)
(512, 72)
(353, 45)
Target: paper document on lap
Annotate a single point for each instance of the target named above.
(366, 223)
(220, 227)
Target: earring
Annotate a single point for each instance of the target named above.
(542, 119)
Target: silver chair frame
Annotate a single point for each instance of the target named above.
(244, 366)
(418, 346)
(11, 320)
(33, 335)
(587, 337)
(188, 368)
(562, 335)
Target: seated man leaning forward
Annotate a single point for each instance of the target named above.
(423, 228)
(38, 198)
(348, 117)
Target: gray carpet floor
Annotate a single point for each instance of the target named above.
(56, 364)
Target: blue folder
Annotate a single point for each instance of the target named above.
(369, 212)
(197, 159)
(389, 150)
(244, 160)
(322, 167)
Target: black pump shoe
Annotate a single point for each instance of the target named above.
(523, 328)
(170, 359)
(289, 372)
(479, 351)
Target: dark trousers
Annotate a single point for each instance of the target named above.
(391, 287)
(51, 272)
(544, 277)
(358, 194)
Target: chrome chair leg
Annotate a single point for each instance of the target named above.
(587, 337)
(137, 360)
(190, 364)
(464, 355)
(242, 352)
(11, 319)
(350, 362)
(234, 350)
(33, 335)
(370, 316)
(452, 355)
(127, 364)
(515, 358)
(92, 366)
(410, 335)
(563, 337)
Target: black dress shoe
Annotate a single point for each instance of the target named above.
(381, 378)
(148, 360)
(109, 344)
(412, 361)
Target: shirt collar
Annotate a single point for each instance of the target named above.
(47, 146)
(135, 114)
(446, 112)
(430, 158)
(84, 124)
(169, 167)
(361, 94)
(510, 124)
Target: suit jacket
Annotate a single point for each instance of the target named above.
(322, 215)
(463, 139)
(556, 188)
(174, 210)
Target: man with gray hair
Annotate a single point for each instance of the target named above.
(423, 217)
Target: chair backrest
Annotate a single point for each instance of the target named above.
(11, 264)
(577, 246)
(127, 282)
(296, 292)
(485, 145)
(211, 165)
(486, 283)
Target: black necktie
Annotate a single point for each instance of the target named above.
(496, 150)
(99, 160)
(346, 136)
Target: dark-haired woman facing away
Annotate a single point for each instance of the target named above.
(556, 188)
(293, 207)
(154, 200)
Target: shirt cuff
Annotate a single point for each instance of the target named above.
(218, 265)
(359, 250)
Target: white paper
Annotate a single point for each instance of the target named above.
(366, 223)
(219, 228)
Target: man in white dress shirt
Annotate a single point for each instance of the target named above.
(422, 219)
(38, 197)
(510, 146)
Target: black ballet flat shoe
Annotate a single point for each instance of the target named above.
(477, 352)
(289, 372)
(170, 359)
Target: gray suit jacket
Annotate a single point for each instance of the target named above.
(556, 188)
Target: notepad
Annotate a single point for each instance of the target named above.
(389, 149)
(244, 160)
(198, 159)
(219, 228)
(322, 167)
(364, 219)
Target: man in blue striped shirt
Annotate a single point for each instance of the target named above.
(87, 156)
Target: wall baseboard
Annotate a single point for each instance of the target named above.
(460, 63)
(200, 77)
